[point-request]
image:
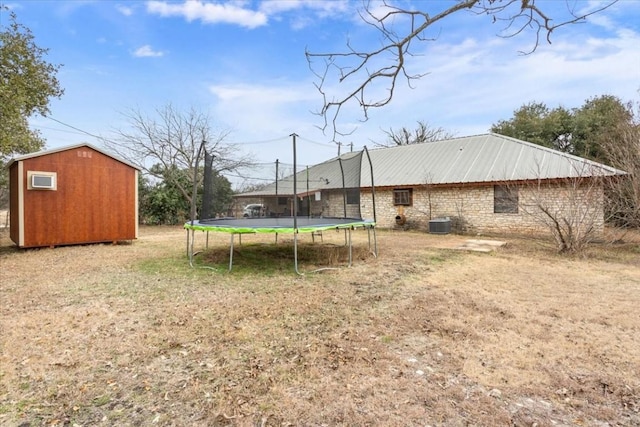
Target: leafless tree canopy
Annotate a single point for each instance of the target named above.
(166, 145)
(574, 218)
(571, 209)
(359, 72)
(421, 134)
(621, 146)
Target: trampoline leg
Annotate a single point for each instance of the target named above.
(231, 254)
(375, 242)
(206, 246)
(190, 247)
(188, 231)
(350, 254)
(295, 253)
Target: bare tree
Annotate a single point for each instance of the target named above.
(621, 146)
(423, 133)
(360, 72)
(166, 146)
(571, 209)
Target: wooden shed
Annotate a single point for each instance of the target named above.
(72, 195)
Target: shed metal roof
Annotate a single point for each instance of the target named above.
(473, 159)
(66, 148)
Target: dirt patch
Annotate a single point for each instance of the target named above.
(423, 334)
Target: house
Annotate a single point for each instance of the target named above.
(481, 184)
(72, 195)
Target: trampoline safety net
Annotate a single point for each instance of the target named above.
(327, 190)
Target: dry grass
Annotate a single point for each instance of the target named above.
(423, 335)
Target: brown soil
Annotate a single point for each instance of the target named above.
(131, 335)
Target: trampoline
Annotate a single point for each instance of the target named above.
(335, 185)
(291, 225)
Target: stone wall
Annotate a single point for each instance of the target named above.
(333, 205)
(471, 208)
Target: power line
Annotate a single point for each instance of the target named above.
(59, 130)
(75, 128)
(82, 131)
(273, 164)
(285, 138)
(323, 144)
(266, 141)
(248, 178)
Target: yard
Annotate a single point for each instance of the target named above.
(130, 334)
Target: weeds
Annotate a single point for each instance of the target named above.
(132, 335)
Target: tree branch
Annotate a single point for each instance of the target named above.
(361, 72)
(166, 146)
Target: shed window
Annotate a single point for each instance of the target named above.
(353, 196)
(505, 199)
(37, 180)
(403, 197)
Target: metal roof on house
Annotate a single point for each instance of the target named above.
(476, 159)
(66, 148)
(472, 159)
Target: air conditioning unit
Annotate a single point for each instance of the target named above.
(44, 182)
(440, 226)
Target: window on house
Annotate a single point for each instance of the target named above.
(505, 199)
(353, 196)
(403, 197)
(282, 201)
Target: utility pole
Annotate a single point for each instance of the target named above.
(295, 208)
(295, 183)
(277, 166)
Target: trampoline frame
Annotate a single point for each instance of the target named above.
(235, 226)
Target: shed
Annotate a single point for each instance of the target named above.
(72, 195)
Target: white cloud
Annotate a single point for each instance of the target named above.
(476, 81)
(13, 6)
(147, 51)
(322, 8)
(271, 7)
(125, 10)
(236, 12)
(380, 10)
(262, 94)
(474, 84)
(211, 13)
(274, 108)
(263, 102)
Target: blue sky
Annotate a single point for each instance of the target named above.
(243, 63)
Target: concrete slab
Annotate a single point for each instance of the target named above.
(481, 245)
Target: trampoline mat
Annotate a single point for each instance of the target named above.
(276, 225)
